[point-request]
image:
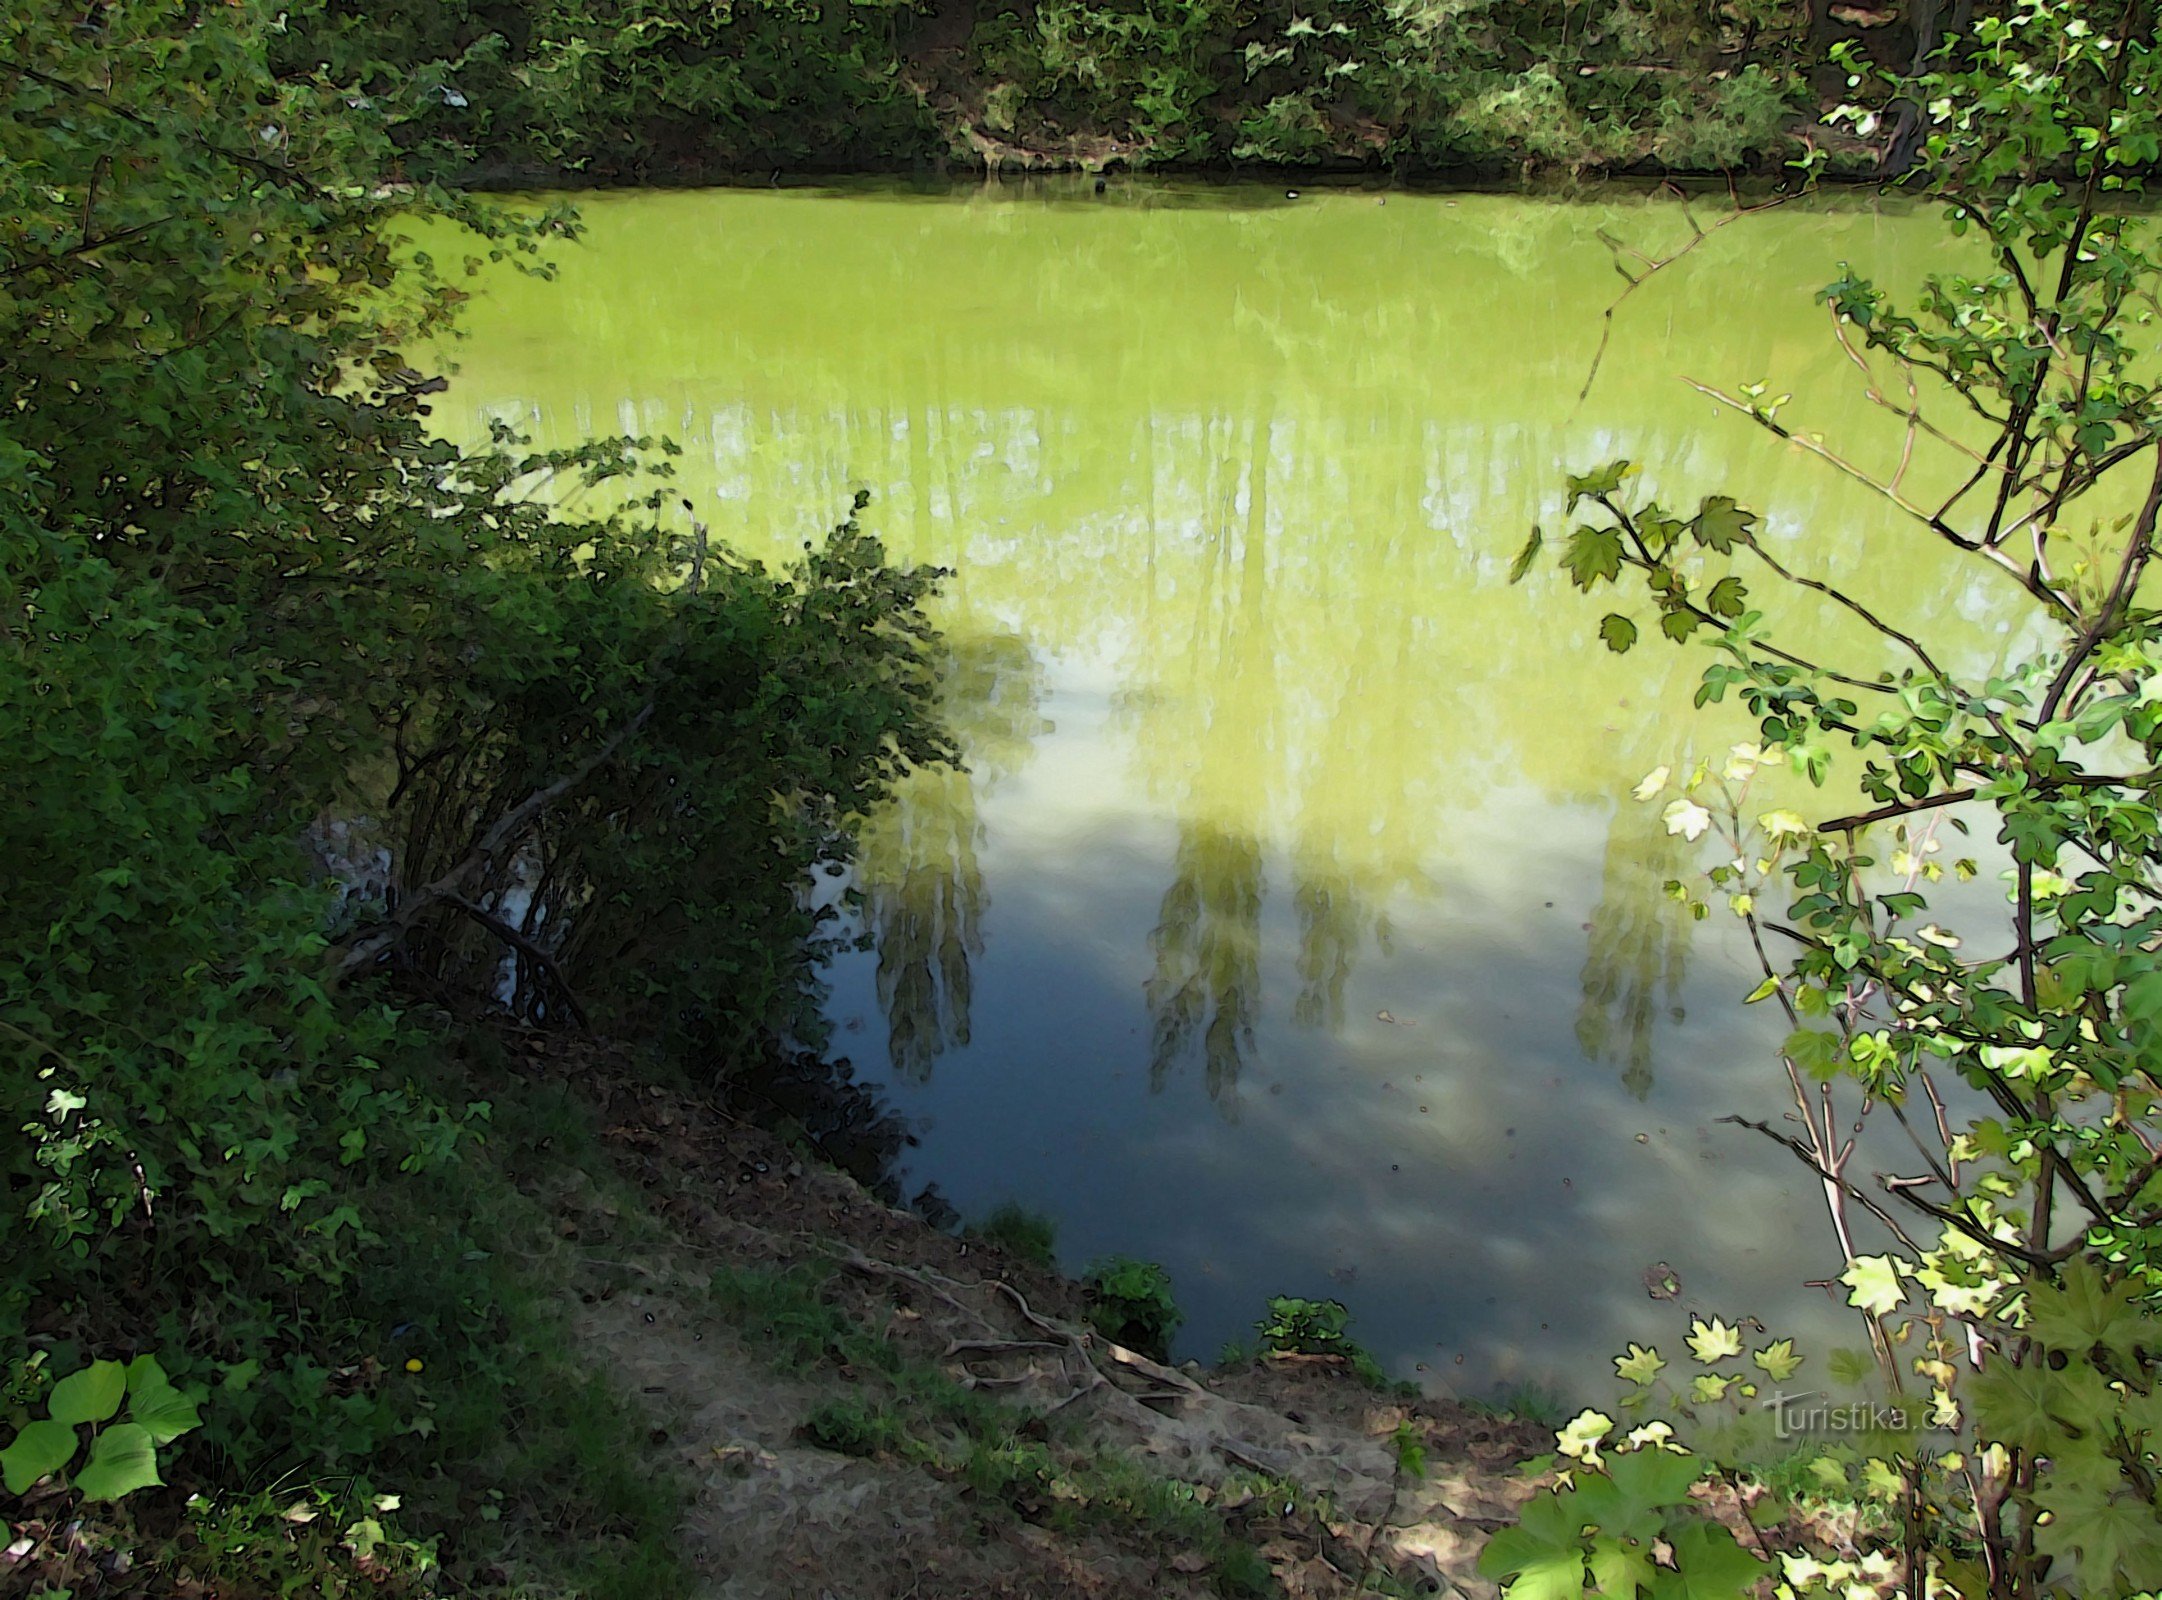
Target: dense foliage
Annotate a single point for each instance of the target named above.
(2009, 1273)
(624, 90)
(314, 720)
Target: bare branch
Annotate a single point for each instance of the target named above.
(526, 947)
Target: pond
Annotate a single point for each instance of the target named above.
(1292, 924)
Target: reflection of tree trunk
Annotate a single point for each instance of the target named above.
(1148, 463)
(924, 894)
(1253, 582)
(1370, 729)
(1639, 943)
(1207, 940)
(925, 904)
(1332, 924)
(1207, 944)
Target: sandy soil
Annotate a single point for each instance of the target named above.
(776, 1516)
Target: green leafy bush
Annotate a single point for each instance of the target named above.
(1624, 1528)
(1131, 1301)
(123, 1448)
(250, 605)
(1318, 1328)
(1306, 1327)
(616, 90)
(1028, 1234)
(855, 1427)
(2012, 1043)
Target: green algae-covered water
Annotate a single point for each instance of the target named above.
(1292, 925)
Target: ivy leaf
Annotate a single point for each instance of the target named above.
(1714, 1341)
(122, 1460)
(1721, 524)
(91, 1395)
(1873, 1284)
(1525, 556)
(1618, 633)
(41, 1449)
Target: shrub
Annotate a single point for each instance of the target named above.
(2019, 1268)
(247, 598)
(1028, 1234)
(1131, 1302)
(1318, 1328)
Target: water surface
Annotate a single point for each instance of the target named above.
(1291, 925)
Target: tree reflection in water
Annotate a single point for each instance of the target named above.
(921, 877)
(1638, 947)
(1207, 945)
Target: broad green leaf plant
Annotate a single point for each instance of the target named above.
(122, 1446)
(2016, 1052)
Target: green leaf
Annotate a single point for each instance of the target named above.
(1620, 1569)
(2113, 1541)
(2012, 1406)
(1777, 1360)
(156, 1405)
(1815, 1052)
(1728, 598)
(1592, 555)
(1640, 1365)
(2086, 1311)
(122, 1460)
(1541, 1554)
(1538, 1573)
(1604, 481)
(1618, 633)
(41, 1449)
(2034, 836)
(1525, 556)
(1714, 1341)
(91, 1395)
(1713, 1566)
(1721, 524)
(1873, 1284)
(1651, 1479)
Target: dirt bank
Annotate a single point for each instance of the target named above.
(866, 1407)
